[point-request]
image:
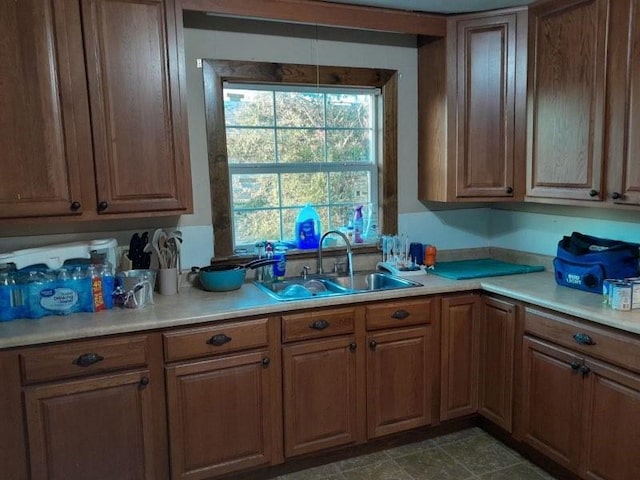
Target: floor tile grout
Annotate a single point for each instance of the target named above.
(444, 457)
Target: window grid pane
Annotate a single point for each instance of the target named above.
(332, 166)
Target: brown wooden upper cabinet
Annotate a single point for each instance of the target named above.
(472, 89)
(566, 99)
(91, 114)
(583, 108)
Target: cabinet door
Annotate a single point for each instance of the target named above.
(95, 428)
(565, 141)
(552, 401)
(459, 356)
(135, 108)
(399, 380)
(612, 415)
(623, 103)
(486, 88)
(320, 397)
(43, 109)
(497, 343)
(220, 415)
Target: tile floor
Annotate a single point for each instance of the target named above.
(467, 454)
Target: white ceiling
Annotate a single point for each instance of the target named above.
(439, 6)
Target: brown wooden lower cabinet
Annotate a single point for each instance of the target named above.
(321, 395)
(100, 427)
(399, 380)
(580, 412)
(611, 422)
(459, 356)
(551, 401)
(497, 343)
(221, 415)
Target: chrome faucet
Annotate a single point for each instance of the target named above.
(319, 269)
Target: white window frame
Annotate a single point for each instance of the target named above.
(371, 167)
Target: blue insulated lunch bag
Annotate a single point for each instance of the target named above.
(583, 262)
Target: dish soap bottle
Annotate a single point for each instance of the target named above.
(307, 228)
(358, 225)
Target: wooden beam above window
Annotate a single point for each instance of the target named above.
(328, 14)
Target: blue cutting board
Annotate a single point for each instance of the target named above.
(483, 267)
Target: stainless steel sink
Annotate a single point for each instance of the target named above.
(372, 282)
(299, 288)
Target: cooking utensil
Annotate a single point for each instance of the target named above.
(227, 277)
(154, 246)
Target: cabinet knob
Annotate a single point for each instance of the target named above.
(319, 325)
(353, 346)
(593, 193)
(266, 361)
(616, 195)
(575, 365)
(144, 381)
(87, 359)
(400, 314)
(75, 206)
(373, 344)
(219, 339)
(583, 339)
(585, 370)
(509, 190)
(102, 206)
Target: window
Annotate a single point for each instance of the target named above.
(288, 146)
(282, 135)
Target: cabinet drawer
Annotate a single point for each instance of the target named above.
(323, 323)
(230, 337)
(599, 342)
(400, 313)
(83, 358)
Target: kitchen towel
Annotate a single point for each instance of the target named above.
(483, 267)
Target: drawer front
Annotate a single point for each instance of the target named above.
(599, 342)
(214, 340)
(318, 324)
(400, 313)
(83, 358)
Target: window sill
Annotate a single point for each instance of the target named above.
(296, 254)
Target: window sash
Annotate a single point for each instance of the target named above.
(277, 167)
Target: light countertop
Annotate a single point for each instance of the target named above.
(193, 306)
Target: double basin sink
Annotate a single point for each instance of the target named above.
(316, 286)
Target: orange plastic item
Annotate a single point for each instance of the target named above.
(430, 255)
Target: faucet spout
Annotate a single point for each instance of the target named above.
(319, 268)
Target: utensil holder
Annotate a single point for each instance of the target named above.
(168, 279)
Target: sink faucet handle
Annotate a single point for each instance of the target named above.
(305, 271)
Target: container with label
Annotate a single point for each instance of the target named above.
(621, 295)
(307, 231)
(279, 269)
